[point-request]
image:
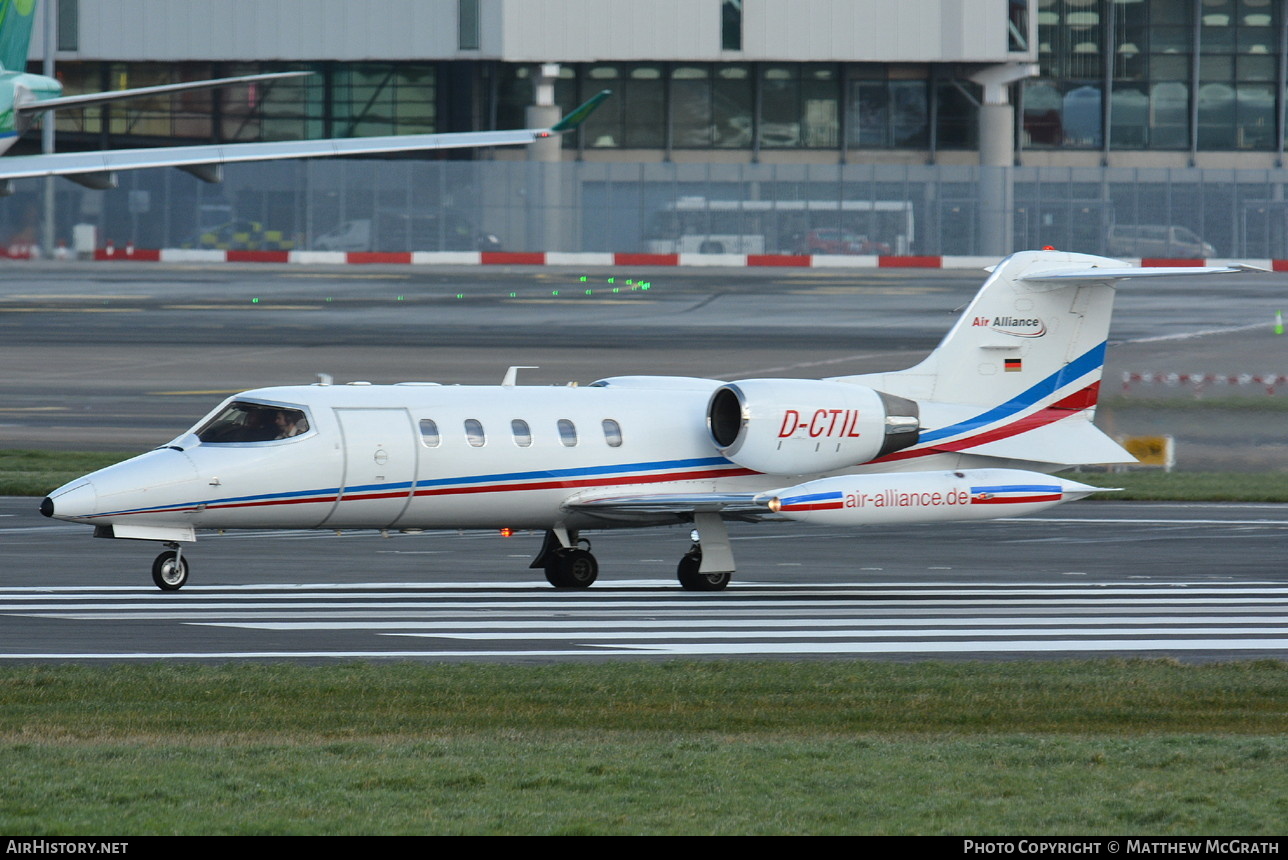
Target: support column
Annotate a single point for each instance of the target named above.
(997, 156)
(546, 224)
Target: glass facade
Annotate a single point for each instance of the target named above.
(1115, 75)
(1196, 75)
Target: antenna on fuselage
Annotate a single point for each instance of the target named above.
(512, 375)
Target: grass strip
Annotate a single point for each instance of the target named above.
(1158, 486)
(36, 473)
(721, 747)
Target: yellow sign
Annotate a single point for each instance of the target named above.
(1152, 450)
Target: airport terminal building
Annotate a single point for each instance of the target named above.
(736, 126)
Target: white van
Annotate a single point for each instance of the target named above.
(1157, 240)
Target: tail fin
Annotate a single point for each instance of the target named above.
(1027, 352)
(15, 33)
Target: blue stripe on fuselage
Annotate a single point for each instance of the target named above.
(546, 474)
(1079, 367)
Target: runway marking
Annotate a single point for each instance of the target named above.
(648, 618)
(41, 297)
(1192, 335)
(1142, 521)
(57, 310)
(246, 304)
(211, 391)
(805, 633)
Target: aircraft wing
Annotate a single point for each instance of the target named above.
(138, 92)
(97, 169)
(739, 506)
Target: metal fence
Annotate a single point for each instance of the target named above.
(407, 205)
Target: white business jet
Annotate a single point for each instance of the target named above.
(972, 432)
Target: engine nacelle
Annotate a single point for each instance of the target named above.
(807, 426)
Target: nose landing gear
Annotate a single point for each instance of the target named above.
(170, 569)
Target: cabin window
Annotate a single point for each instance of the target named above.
(522, 434)
(241, 421)
(429, 433)
(612, 433)
(474, 432)
(567, 433)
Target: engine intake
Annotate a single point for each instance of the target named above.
(807, 426)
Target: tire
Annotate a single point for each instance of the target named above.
(170, 571)
(572, 568)
(692, 580)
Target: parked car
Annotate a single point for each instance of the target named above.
(829, 240)
(1157, 240)
(240, 235)
(395, 231)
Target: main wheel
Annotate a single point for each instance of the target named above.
(692, 580)
(572, 568)
(170, 571)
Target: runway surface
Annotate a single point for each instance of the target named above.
(127, 356)
(1194, 582)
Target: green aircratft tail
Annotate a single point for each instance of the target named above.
(15, 33)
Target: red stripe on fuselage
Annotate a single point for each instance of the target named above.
(1075, 402)
(1016, 500)
(590, 482)
(448, 491)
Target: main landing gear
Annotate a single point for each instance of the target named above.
(707, 566)
(566, 564)
(170, 569)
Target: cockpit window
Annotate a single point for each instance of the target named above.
(253, 422)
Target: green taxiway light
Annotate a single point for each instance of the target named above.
(582, 279)
(254, 301)
(554, 292)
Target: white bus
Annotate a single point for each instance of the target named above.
(698, 225)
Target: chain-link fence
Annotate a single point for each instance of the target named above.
(407, 205)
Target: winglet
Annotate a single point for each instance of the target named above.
(578, 115)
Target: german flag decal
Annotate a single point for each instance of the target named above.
(1012, 365)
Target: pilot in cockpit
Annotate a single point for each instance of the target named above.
(290, 423)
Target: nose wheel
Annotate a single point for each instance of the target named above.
(170, 570)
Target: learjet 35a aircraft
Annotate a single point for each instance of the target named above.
(972, 432)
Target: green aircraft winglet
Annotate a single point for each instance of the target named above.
(578, 115)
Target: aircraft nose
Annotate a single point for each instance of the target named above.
(79, 500)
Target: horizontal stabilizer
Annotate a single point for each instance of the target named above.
(1072, 442)
(1119, 274)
